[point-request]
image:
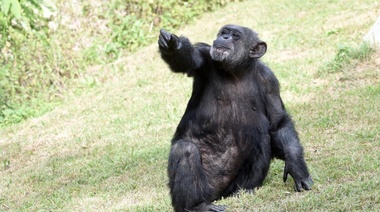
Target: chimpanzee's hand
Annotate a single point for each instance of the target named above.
(301, 183)
(168, 43)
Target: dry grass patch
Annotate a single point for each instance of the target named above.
(106, 149)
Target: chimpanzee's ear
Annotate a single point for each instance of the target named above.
(258, 50)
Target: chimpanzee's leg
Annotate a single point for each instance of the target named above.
(188, 183)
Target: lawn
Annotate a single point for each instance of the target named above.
(107, 148)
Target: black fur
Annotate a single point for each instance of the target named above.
(234, 124)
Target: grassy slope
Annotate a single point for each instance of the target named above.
(107, 150)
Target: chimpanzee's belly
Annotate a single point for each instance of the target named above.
(227, 134)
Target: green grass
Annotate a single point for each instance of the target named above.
(106, 149)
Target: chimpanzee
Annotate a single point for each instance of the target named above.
(234, 124)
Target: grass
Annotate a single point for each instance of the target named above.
(106, 149)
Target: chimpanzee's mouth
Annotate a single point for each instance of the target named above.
(220, 50)
(221, 47)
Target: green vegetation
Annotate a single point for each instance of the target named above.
(347, 56)
(106, 148)
(48, 50)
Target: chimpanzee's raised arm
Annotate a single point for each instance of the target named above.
(179, 53)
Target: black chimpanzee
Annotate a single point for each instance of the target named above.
(234, 124)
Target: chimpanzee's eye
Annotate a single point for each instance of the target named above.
(235, 36)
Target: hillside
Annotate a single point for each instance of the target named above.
(107, 148)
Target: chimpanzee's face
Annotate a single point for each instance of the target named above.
(236, 45)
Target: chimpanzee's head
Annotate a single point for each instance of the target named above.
(237, 45)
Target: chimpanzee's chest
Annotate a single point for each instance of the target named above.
(227, 102)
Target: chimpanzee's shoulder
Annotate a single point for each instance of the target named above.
(267, 76)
